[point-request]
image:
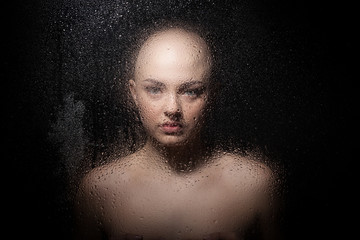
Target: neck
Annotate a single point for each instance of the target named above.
(180, 158)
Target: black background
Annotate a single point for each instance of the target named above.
(317, 155)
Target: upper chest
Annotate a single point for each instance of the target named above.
(192, 206)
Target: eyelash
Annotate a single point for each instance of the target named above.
(153, 90)
(193, 92)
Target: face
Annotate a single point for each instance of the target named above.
(170, 85)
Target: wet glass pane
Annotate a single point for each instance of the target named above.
(173, 119)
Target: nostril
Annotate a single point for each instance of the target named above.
(175, 115)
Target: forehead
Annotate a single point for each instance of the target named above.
(173, 38)
(174, 52)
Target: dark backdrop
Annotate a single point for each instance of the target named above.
(299, 100)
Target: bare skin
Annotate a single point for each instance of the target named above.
(140, 196)
(172, 188)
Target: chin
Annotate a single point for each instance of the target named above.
(172, 141)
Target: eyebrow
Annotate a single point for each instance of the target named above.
(183, 85)
(190, 83)
(153, 81)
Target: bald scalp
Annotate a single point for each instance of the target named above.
(174, 45)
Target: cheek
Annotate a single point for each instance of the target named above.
(148, 112)
(195, 111)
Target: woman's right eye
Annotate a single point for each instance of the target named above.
(153, 90)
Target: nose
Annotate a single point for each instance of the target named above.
(172, 107)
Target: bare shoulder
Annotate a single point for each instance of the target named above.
(98, 190)
(248, 170)
(261, 185)
(116, 173)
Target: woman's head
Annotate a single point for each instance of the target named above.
(170, 84)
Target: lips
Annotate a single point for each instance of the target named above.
(171, 127)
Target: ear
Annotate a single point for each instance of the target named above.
(132, 86)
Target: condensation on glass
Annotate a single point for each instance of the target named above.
(208, 86)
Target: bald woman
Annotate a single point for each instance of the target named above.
(173, 188)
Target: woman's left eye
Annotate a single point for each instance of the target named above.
(193, 92)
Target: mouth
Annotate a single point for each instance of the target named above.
(171, 127)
